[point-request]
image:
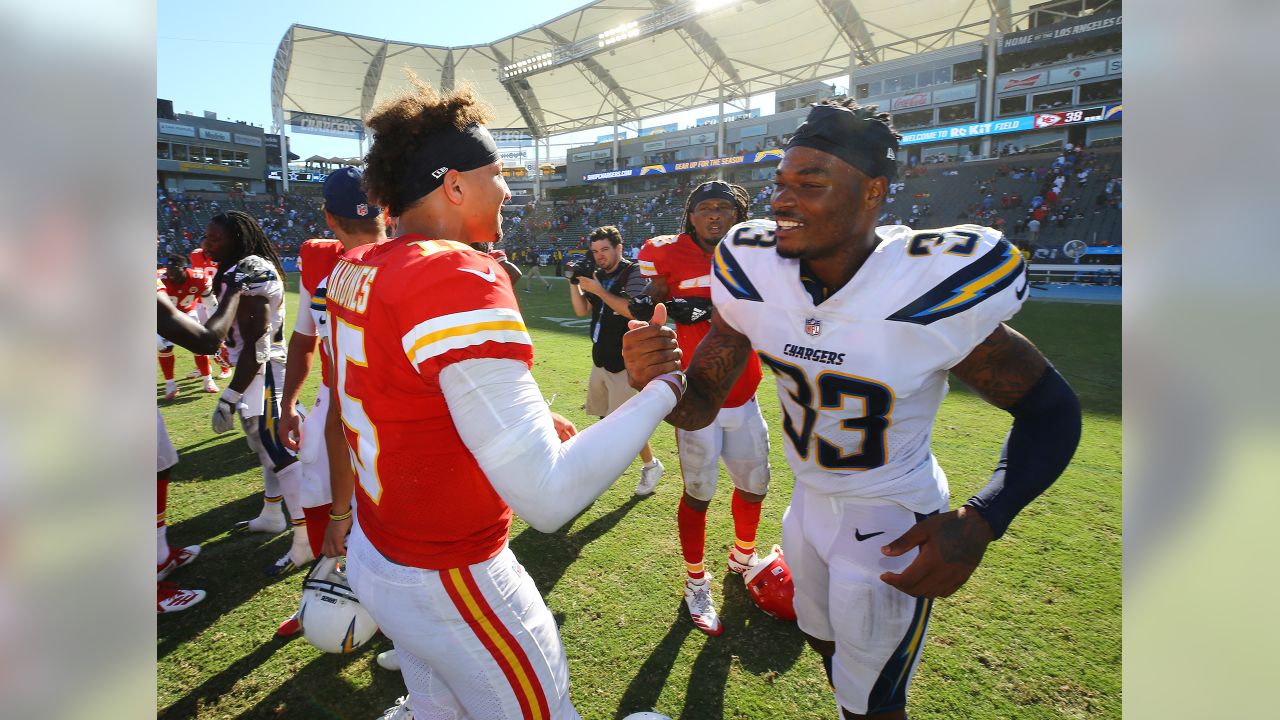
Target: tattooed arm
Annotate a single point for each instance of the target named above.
(1003, 368)
(715, 367)
(1009, 372)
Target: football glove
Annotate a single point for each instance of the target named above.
(687, 311)
(224, 415)
(641, 308)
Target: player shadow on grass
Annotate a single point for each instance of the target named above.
(547, 556)
(214, 460)
(752, 640)
(230, 569)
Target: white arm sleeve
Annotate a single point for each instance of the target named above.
(502, 419)
(305, 324)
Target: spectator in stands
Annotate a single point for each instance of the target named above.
(1033, 231)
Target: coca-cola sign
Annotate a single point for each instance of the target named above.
(910, 101)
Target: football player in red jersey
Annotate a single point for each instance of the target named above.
(181, 329)
(186, 286)
(201, 263)
(679, 269)
(355, 221)
(442, 433)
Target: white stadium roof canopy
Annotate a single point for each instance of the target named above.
(623, 60)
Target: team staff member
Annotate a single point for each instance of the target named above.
(442, 431)
(861, 326)
(679, 268)
(604, 295)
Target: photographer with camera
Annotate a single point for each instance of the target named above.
(602, 284)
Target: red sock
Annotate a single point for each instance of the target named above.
(746, 519)
(202, 364)
(162, 497)
(693, 538)
(317, 523)
(166, 364)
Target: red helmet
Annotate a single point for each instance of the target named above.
(770, 585)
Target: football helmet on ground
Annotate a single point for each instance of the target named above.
(769, 583)
(332, 617)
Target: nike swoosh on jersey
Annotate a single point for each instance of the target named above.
(488, 275)
(860, 537)
(1022, 291)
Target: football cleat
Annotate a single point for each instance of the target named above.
(649, 477)
(291, 626)
(226, 373)
(210, 386)
(171, 599)
(740, 563)
(333, 620)
(399, 711)
(389, 660)
(697, 598)
(193, 374)
(170, 389)
(178, 557)
(770, 586)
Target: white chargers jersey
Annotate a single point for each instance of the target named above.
(263, 280)
(861, 374)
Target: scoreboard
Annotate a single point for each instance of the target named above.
(1071, 117)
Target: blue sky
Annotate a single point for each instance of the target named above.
(217, 56)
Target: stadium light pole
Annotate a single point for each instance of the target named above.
(988, 89)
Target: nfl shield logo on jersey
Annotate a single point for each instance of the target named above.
(812, 326)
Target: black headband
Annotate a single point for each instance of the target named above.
(712, 189)
(444, 150)
(854, 136)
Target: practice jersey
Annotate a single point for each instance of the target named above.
(203, 266)
(400, 312)
(316, 259)
(262, 281)
(861, 374)
(186, 292)
(686, 268)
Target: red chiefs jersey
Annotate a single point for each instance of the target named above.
(203, 266)
(185, 292)
(316, 259)
(686, 268)
(400, 312)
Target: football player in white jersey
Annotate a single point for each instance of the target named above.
(861, 326)
(255, 345)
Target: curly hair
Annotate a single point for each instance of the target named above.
(741, 203)
(400, 123)
(249, 239)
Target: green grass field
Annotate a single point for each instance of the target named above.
(1034, 634)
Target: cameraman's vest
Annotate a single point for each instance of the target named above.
(607, 326)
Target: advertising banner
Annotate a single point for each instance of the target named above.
(729, 117)
(314, 124)
(669, 127)
(171, 128)
(914, 100)
(1071, 73)
(247, 140)
(1022, 81)
(1060, 32)
(746, 159)
(220, 135)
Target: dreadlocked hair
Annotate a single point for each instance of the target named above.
(864, 112)
(249, 239)
(400, 123)
(741, 204)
